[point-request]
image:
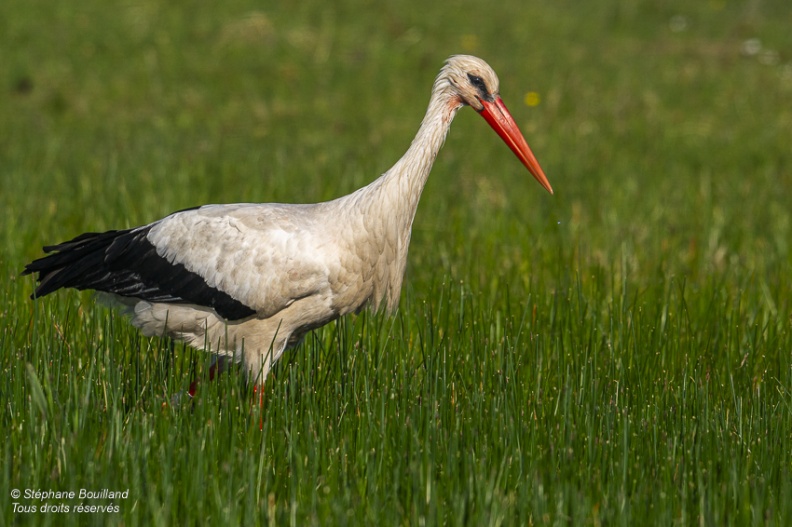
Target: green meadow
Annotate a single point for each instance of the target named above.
(619, 353)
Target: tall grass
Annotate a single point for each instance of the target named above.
(616, 354)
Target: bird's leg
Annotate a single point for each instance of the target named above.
(258, 389)
(220, 364)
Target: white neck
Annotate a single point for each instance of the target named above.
(399, 189)
(386, 207)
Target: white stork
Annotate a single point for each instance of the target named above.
(250, 280)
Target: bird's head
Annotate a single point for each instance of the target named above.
(470, 81)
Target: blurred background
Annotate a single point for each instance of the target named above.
(616, 351)
(663, 126)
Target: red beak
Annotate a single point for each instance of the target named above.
(502, 122)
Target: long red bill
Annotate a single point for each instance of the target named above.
(502, 122)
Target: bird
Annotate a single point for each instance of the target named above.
(247, 281)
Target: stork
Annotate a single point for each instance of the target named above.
(247, 281)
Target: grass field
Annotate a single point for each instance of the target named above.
(619, 353)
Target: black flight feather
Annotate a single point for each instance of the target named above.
(126, 263)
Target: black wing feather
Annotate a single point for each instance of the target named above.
(126, 263)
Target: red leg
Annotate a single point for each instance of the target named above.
(219, 365)
(258, 389)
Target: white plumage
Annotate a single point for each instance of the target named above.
(249, 280)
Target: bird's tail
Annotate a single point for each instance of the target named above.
(81, 263)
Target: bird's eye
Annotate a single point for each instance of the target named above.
(479, 84)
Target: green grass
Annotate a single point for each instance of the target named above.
(616, 354)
